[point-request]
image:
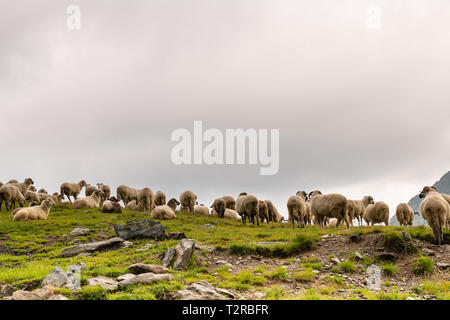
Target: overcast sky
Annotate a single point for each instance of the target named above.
(360, 110)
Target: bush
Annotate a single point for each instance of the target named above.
(423, 265)
(304, 276)
(389, 269)
(347, 266)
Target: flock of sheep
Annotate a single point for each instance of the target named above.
(303, 208)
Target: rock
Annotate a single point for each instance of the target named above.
(206, 226)
(146, 247)
(138, 229)
(200, 290)
(176, 236)
(77, 268)
(184, 251)
(442, 265)
(73, 281)
(145, 278)
(104, 282)
(358, 255)
(428, 252)
(411, 298)
(325, 236)
(335, 260)
(373, 280)
(139, 268)
(125, 277)
(57, 278)
(227, 293)
(45, 292)
(168, 257)
(6, 290)
(429, 297)
(259, 295)
(127, 244)
(114, 243)
(25, 295)
(58, 297)
(77, 232)
(199, 246)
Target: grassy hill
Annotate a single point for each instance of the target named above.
(269, 262)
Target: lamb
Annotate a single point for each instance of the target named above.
(274, 215)
(126, 194)
(247, 206)
(89, 190)
(230, 202)
(71, 189)
(404, 214)
(228, 214)
(111, 206)
(91, 202)
(307, 218)
(34, 213)
(106, 189)
(330, 205)
(201, 209)
(23, 186)
(145, 200)
(163, 213)
(356, 208)
(10, 194)
(436, 211)
(263, 211)
(377, 213)
(173, 203)
(160, 198)
(219, 207)
(296, 210)
(187, 200)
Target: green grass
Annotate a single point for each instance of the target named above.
(347, 266)
(423, 265)
(389, 269)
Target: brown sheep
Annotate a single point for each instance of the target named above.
(188, 200)
(163, 213)
(247, 206)
(23, 186)
(356, 209)
(71, 189)
(307, 218)
(436, 211)
(228, 214)
(89, 190)
(145, 200)
(10, 194)
(404, 214)
(173, 203)
(34, 213)
(230, 202)
(274, 215)
(377, 213)
(126, 194)
(91, 202)
(132, 206)
(201, 209)
(296, 210)
(42, 191)
(219, 207)
(106, 190)
(329, 206)
(111, 206)
(263, 212)
(160, 198)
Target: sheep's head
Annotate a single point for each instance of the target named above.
(369, 199)
(426, 190)
(302, 194)
(415, 212)
(314, 193)
(48, 203)
(29, 181)
(32, 188)
(173, 203)
(82, 184)
(242, 194)
(113, 199)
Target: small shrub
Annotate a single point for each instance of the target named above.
(277, 274)
(389, 269)
(303, 276)
(347, 266)
(423, 265)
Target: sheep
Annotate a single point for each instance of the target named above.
(219, 207)
(31, 188)
(173, 203)
(377, 213)
(91, 202)
(1, 184)
(330, 205)
(274, 215)
(436, 211)
(247, 206)
(23, 186)
(71, 189)
(10, 194)
(145, 200)
(132, 206)
(230, 202)
(160, 198)
(228, 214)
(201, 209)
(111, 206)
(187, 200)
(263, 211)
(42, 191)
(126, 194)
(163, 213)
(296, 210)
(307, 218)
(12, 181)
(34, 213)
(106, 189)
(89, 190)
(57, 196)
(356, 208)
(404, 214)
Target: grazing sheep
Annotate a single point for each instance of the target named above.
(34, 213)
(10, 194)
(160, 198)
(230, 202)
(106, 189)
(436, 211)
(330, 205)
(12, 181)
(173, 203)
(163, 213)
(89, 190)
(201, 209)
(145, 200)
(57, 196)
(404, 214)
(263, 211)
(247, 206)
(42, 191)
(228, 214)
(274, 215)
(132, 206)
(23, 186)
(356, 209)
(111, 206)
(91, 202)
(126, 194)
(307, 218)
(31, 196)
(71, 189)
(219, 207)
(188, 200)
(296, 210)
(377, 213)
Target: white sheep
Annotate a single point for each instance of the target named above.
(201, 210)
(34, 213)
(23, 186)
(329, 206)
(126, 194)
(91, 202)
(436, 211)
(163, 213)
(11, 194)
(71, 189)
(247, 206)
(377, 213)
(229, 214)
